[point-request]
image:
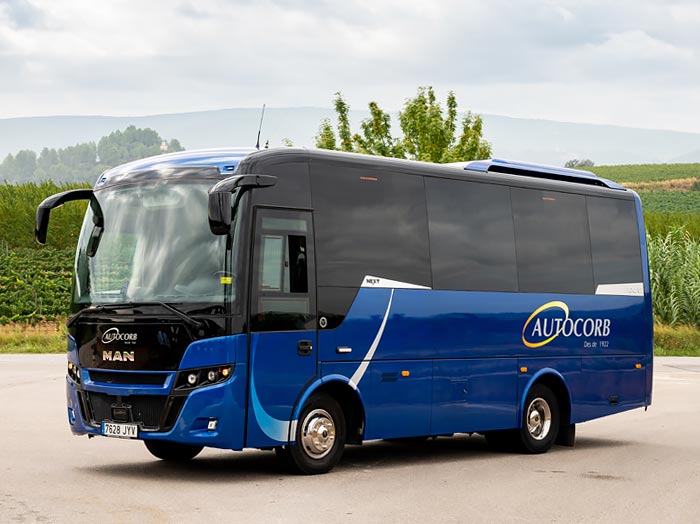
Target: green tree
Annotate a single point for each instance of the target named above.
(131, 144)
(342, 109)
(575, 163)
(325, 139)
(376, 136)
(428, 132)
(84, 162)
(174, 146)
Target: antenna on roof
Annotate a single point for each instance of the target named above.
(262, 115)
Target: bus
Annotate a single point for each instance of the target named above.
(305, 300)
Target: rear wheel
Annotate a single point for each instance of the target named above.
(172, 451)
(540, 423)
(319, 438)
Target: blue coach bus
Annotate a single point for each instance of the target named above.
(303, 300)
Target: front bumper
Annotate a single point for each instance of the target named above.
(222, 402)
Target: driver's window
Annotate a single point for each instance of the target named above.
(283, 271)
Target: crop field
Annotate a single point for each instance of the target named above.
(18, 205)
(34, 284)
(671, 202)
(646, 172)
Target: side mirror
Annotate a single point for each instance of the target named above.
(221, 198)
(54, 201)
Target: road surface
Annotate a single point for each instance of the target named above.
(634, 467)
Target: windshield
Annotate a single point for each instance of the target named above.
(155, 245)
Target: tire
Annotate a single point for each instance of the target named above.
(319, 439)
(540, 423)
(172, 451)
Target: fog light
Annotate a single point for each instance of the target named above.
(225, 372)
(212, 424)
(192, 379)
(211, 376)
(71, 416)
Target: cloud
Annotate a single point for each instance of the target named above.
(145, 57)
(20, 14)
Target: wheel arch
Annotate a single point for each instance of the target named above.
(557, 384)
(350, 399)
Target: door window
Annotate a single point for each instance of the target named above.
(283, 297)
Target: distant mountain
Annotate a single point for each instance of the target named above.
(688, 158)
(531, 140)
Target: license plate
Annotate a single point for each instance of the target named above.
(113, 429)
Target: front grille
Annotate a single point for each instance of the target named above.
(149, 410)
(115, 377)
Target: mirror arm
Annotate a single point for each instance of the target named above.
(44, 209)
(220, 204)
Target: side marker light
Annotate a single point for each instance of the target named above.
(523, 369)
(638, 366)
(405, 373)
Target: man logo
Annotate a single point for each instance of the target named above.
(118, 356)
(551, 327)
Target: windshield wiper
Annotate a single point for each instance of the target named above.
(71, 320)
(190, 321)
(187, 319)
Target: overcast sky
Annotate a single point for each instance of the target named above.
(625, 62)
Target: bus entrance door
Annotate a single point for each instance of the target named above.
(283, 352)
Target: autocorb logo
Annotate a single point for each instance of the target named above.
(553, 319)
(113, 334)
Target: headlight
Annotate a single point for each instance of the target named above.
(197, 378)
(74, 372)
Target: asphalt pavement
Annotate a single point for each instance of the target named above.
(635, 467)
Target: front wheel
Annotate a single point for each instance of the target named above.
(540, 423)
(172, 451)
(319, 437)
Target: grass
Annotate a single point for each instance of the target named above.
(47, 337)
(678, 341)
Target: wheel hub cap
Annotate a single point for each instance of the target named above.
(318, 433)
(539, 419)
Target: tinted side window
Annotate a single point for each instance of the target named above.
(617, 257)
(369, 222)
(552, 242)
(283, 271)
(472, 242)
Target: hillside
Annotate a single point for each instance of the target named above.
(516, 138)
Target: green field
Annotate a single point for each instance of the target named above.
(677, 202)
(646, 172)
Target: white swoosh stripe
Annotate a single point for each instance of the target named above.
(359, 373)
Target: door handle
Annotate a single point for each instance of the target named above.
(304, 348)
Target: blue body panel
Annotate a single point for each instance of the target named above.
(444, 362)
(470, 347)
